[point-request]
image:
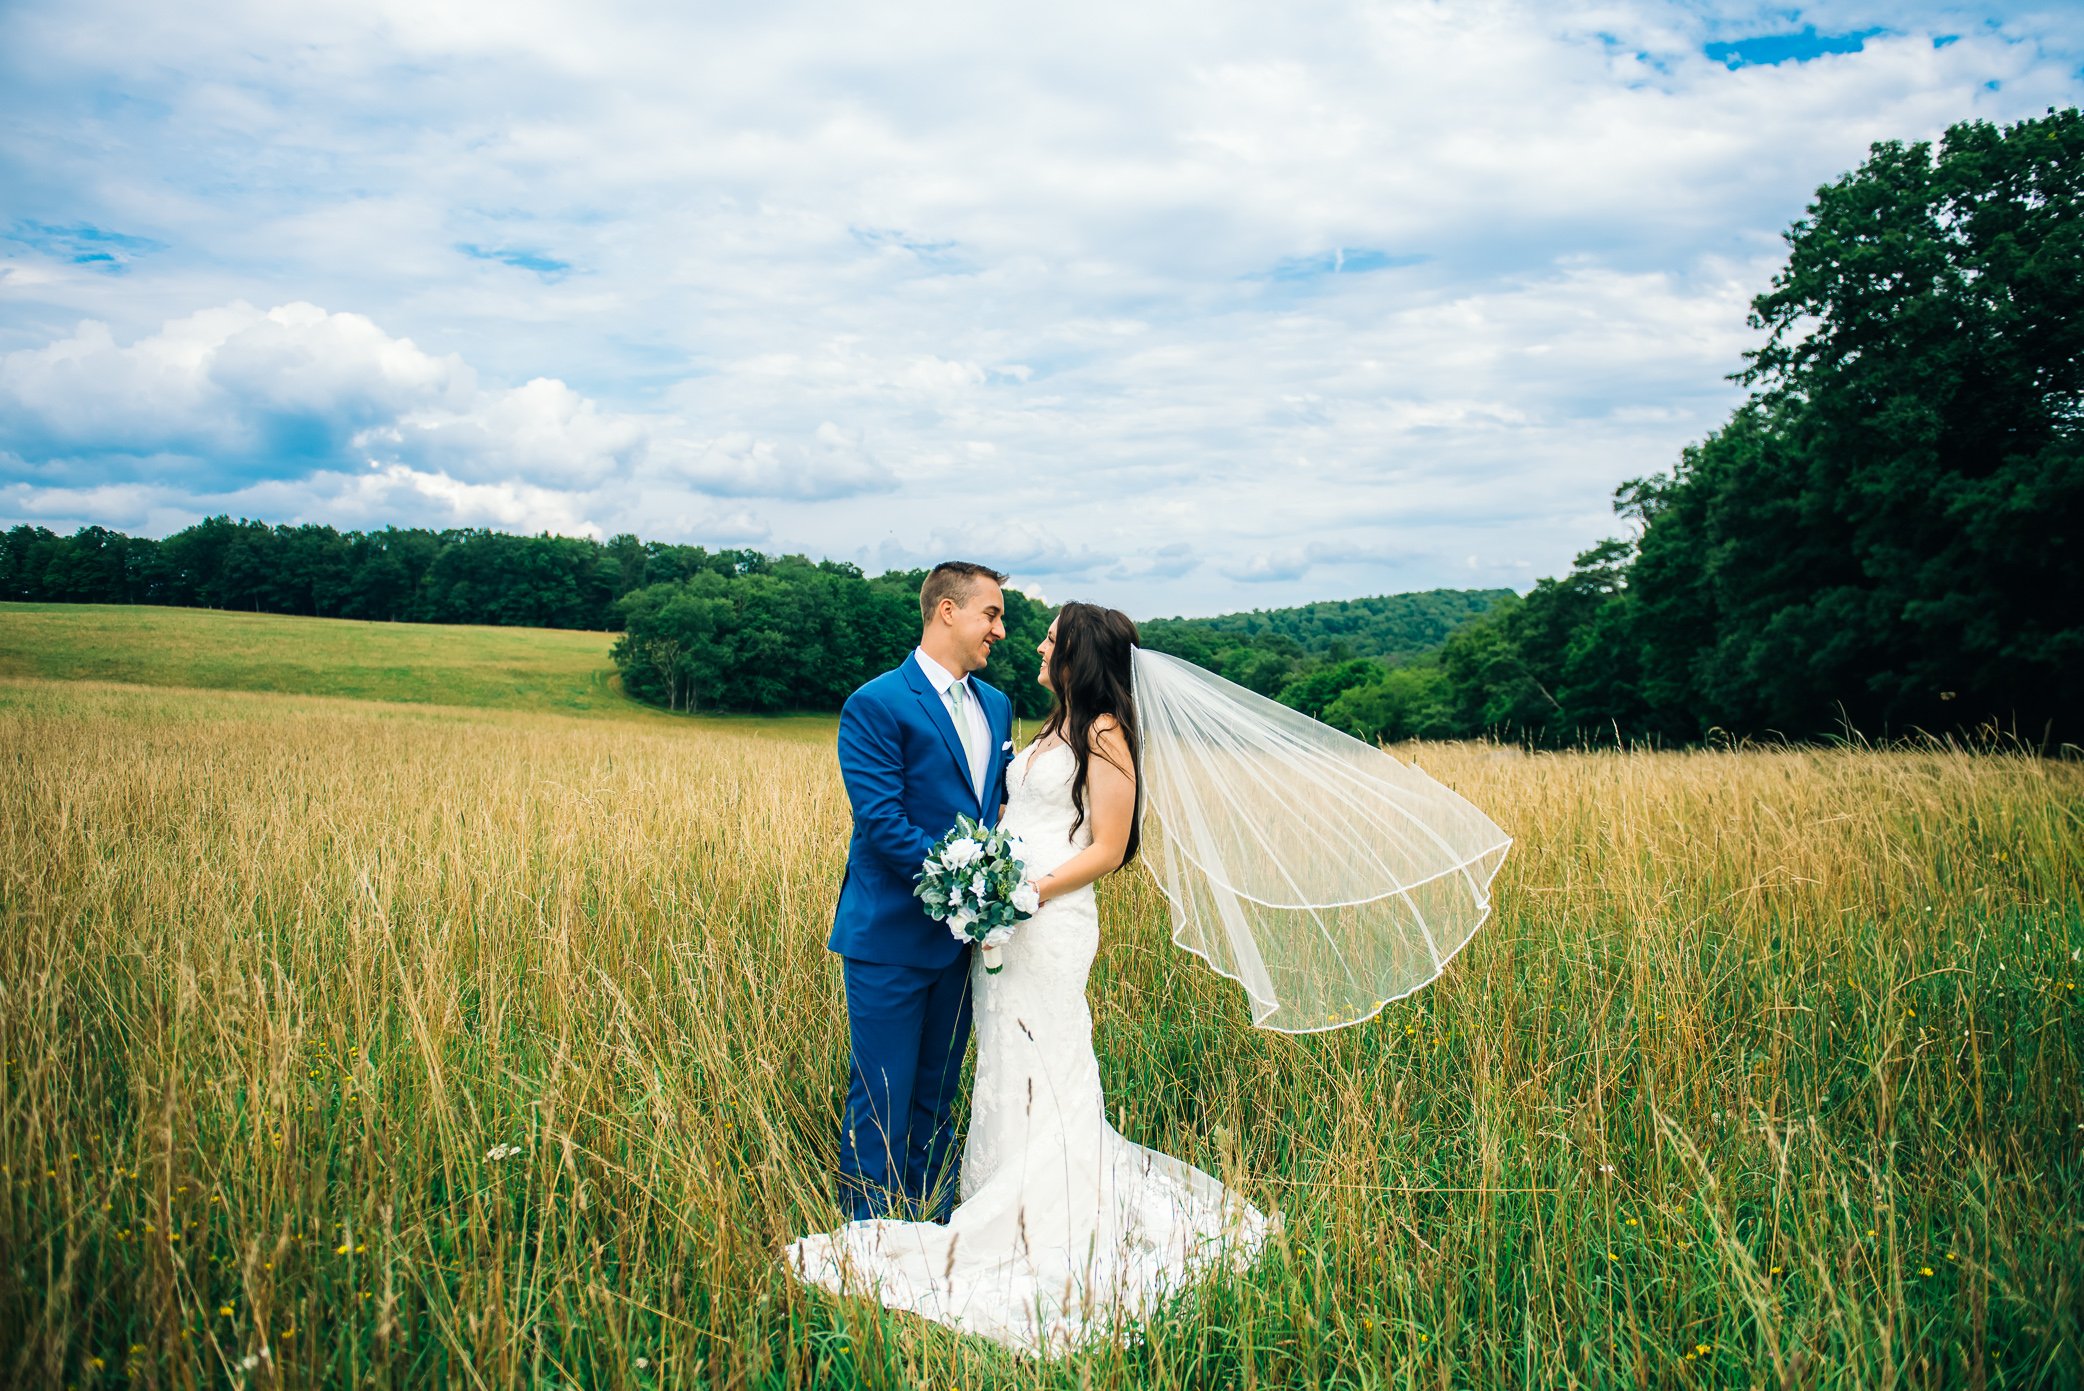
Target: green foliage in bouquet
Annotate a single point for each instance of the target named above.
(975, 880)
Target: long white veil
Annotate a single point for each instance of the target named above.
(1316, 871)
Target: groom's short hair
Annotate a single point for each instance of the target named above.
(952, 579)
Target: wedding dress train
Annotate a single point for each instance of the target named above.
(1065, 1229)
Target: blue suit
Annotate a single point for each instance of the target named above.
(907, 978)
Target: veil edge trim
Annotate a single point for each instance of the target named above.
(1258, 1021)
(1235, 892)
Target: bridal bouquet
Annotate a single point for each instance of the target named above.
(975, 880)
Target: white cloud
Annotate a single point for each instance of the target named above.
(284, 386)
(1335, 296)
(297, 391)
(506, 505)
(831, 463)
(543, 431)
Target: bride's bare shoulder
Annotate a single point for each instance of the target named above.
(1106, 739)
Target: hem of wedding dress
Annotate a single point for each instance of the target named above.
(1055, 1335)
(1258, 1021)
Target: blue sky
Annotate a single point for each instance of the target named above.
(1185, 308)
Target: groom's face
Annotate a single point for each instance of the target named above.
(979, 623)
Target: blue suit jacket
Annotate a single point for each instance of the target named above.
(907, 780)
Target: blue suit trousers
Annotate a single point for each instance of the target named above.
(908, 1027)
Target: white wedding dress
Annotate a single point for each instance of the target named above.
(1065, 1229)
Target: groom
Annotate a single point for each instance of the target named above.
(918, 746)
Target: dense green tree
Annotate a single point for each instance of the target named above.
(245, 577)
(1314, 692)
(790, 634)
(1413, 701)
(1887, 534)
(1268, 665)
(94, 566)
(25, 557)
(674, 642)
(1492, 688)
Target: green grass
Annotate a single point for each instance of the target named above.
(532, 670)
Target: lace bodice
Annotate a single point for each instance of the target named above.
(1039, 809)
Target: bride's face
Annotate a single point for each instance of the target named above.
(1045, 647)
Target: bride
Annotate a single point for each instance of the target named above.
(1066, 1229)
(1324, 876)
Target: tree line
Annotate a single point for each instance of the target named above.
(795, 634)
(398, 574)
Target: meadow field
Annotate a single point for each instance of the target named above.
(448, 1036)
(549, 670)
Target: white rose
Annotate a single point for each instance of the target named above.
(1027, 898)
(961, 853)
(960, 920)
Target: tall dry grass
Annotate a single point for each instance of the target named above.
(1766, 1072)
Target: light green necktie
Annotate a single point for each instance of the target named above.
(971, 739)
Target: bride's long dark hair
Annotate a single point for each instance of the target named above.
(1089, 673)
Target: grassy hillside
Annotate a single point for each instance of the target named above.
(496, 668)
(535, 670)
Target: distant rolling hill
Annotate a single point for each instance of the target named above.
(1386, 625)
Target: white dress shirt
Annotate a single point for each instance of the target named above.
(978, 744)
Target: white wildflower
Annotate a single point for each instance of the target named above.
(499, 1152)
